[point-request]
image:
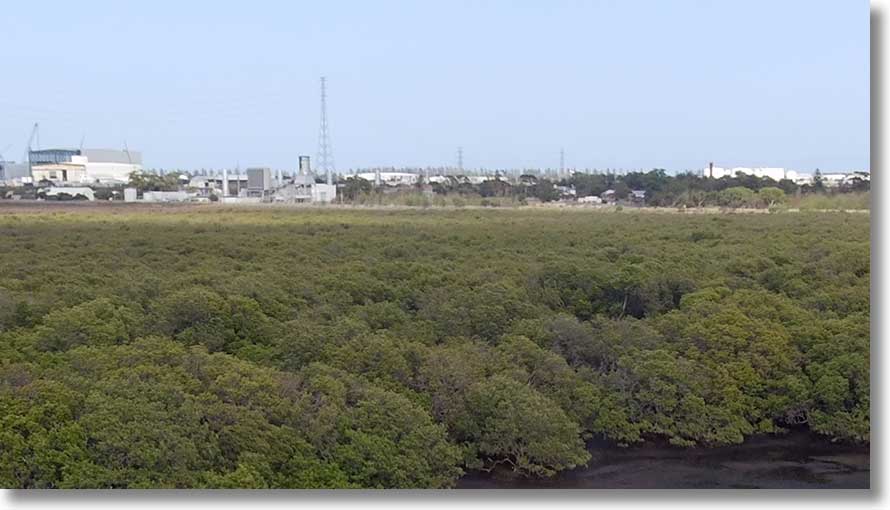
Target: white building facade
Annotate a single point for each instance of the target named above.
(774, 173)
(88, 166)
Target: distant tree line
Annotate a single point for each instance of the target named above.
(662, 189)
(143, 181)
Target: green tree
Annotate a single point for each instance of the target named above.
(737, 196)
(770, 196)
(97, 322)
(515, 425)
(143, 181)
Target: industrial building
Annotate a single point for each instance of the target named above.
(461, 179)
(832, 180)
(12, 173)
(262, 184)
(207, 185)
(302, 188)
(83, 166)
(324, 193)
(382, 178)
(259, 183)
(388, 178)
(778, 174)
(774, 173)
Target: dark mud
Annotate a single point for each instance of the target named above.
(795, 461)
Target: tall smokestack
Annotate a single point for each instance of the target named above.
(711, 170)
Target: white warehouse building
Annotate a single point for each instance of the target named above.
(388, 178)
(778, 173)
(84, 166)
(774, 173)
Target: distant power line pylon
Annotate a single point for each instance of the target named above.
(562, 161)
(325, 151)
(460, 160)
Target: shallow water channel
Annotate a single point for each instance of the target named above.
(798, 460)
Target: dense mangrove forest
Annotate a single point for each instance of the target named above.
(201, 346)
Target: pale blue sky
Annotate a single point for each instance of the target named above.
(620, 84)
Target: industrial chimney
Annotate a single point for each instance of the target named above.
(304, 165)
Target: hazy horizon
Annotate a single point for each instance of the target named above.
(634, 85)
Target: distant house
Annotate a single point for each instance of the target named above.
(566, 192)
(638, 196)
(608, 196)
(527, 180)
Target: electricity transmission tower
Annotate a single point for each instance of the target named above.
(460, 160)
(562, 161)
(325, 151)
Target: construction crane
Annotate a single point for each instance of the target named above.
(35, 133)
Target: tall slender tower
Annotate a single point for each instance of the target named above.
(460, 160)
(325, 151)
(562, 161)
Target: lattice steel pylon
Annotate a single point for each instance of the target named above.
(325, 151)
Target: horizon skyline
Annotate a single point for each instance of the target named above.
(441, 166)
(452, 170)
(616, 86)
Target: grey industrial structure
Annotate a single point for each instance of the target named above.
(262, 184)
(259, 182)
(10, 171)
